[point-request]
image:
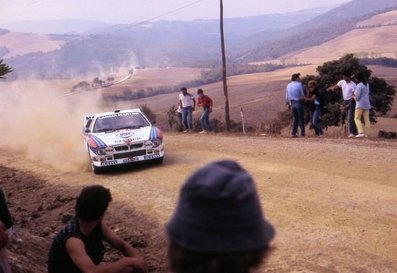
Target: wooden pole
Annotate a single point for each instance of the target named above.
(225, 91)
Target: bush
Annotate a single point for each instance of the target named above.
(148, 112)
(278, 124)
(381, 95)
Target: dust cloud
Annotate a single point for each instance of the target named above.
(41, 122)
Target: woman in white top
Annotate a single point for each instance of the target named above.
(363, 106)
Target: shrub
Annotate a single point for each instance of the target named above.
(148, 112)
(278, 124)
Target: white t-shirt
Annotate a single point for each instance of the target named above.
(347, 89)
(186, 100)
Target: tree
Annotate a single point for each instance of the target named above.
(381, 96)
(4, 69)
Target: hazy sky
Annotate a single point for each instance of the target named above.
(127, 11)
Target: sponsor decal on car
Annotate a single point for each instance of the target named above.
(95, 142)
(155, 133)
(125, 134)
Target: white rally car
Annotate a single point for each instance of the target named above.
(121, 137)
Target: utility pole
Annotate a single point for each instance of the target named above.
(225, 92)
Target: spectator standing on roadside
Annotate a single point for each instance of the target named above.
(294, 97)
(206, 102)
(347, 85)
(6, 233)
(180, 123)
(218, 225)
(363, 106)
(316, 103)
(188, 105)
(78, 246)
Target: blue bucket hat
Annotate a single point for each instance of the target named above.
(219, 211)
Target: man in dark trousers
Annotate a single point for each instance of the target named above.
(188, 103)
(294, 97)
(206, 102)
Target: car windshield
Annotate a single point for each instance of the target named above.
(119, 121)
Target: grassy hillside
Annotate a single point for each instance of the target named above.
(374, 37)
(325, 27)
(24, 43)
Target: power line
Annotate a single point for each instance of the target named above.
(175, 10)
(159, 16)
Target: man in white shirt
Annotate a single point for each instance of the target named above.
(188, 104)
(348, 86)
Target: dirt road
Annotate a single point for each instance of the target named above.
(332, 201)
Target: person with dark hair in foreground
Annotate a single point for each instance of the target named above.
(218, 225)
(6, 230)
(78, 247)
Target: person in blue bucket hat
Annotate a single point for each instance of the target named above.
(218, 225)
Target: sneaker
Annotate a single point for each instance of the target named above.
(360, 136)
(293, 136)
(203, 132)
(351, 135)
(186, 131)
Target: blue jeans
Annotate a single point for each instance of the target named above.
(187, 118)
(316, 120)
(350, 106)
(298, 117)
(204, 119)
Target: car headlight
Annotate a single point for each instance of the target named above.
(105, 151)
(101, 151)
(153, 143)
(156, 143)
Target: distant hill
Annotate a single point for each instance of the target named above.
(164, 43)
(371, 38)
(188, 43)
(318, 30)
(53, 26)
(15, 44)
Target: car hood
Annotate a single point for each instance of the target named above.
(125, 136)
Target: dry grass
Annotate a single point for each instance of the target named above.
(377, 39)
(381, 19)
(24, 43)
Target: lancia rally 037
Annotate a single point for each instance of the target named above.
(121, 137)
